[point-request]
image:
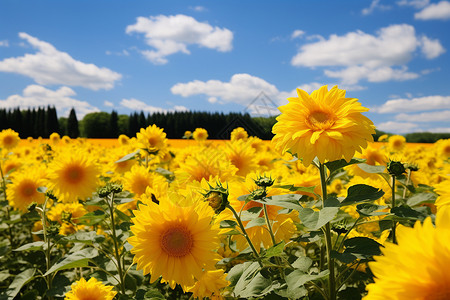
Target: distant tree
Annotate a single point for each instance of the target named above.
(3, 119)
(62, 126)
(52, 124)
(113, 125)
(73, 131)
(39, 128)
(96, 125)
(123, 124)
(133, 124)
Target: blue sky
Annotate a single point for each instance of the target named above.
(228, 56)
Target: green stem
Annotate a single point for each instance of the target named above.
(116, 246)
(394, 224)
(408, 178)
(244, 232)
(346, 234)
(48, 278)
(272, 236)
(328, 244)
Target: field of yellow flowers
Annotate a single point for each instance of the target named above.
(319, 212)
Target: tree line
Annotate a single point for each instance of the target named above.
(43, 121)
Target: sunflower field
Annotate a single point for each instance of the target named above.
(319, 212)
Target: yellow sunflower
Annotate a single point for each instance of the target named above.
(443, 190)
(73, 176)
(55, 138)
(324, 124)
(90, 290)
(443, 148)
(67, 215)
(239, 133)
(23, 190)
(397, 143)
(200, 134)
(174, 242)
(242, 155)
(151, 139)
(123, 139)
(416, 268)
(209, 284)
(9, 139)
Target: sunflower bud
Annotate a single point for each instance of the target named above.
(258, 194)
(264, 181)
(217, 197)
(396, 168)
(66, 217)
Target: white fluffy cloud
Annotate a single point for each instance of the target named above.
(242, 89)
(435, 116)
(358, 55)
(435, 11)
(375, 5)
(50, 66)
(4, 43)
(414, 3)
(414, 105)
(398, 127)
(297, 33)
(34, 96)
(138, 105)
(172, 34)
(108, 103)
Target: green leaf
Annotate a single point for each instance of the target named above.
(128, 156)
(303, 263)
(4, 275)
(42, 189)
(421, 198)
(316, 219)
(338, 164)
(228, 224)
(310, 237)
(275, 250)
(292, 188)
(251, 213)
(166, 173)
(298, 278)
(248, 268)
(256, 222)
(371, 169)
(369, 209)
(154, 294)
(345, 257)
(332, 202)
(122, 216)
(85, 237)
(361, 192)
(290, 201)
(362, 247)
(74, 260)
(406, 212)
(31, 246)
(92, 218)
(19, 281)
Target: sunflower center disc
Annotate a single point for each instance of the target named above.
(177, 241)
(74, 174)
(28, 189)
(320, 119)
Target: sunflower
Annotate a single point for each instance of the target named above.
(373, 157)
(72, 176)
(443, 148)
(241, 155)
(9, 139)
(151, 139)
(239, 133)
(209, 284)
(55, 138)
(397, 143)
(443, 190)
(123, 139)
(417, 267)
(200, 134)
(174, 242)
(23, 190)
(324, 124)
(90, 290)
